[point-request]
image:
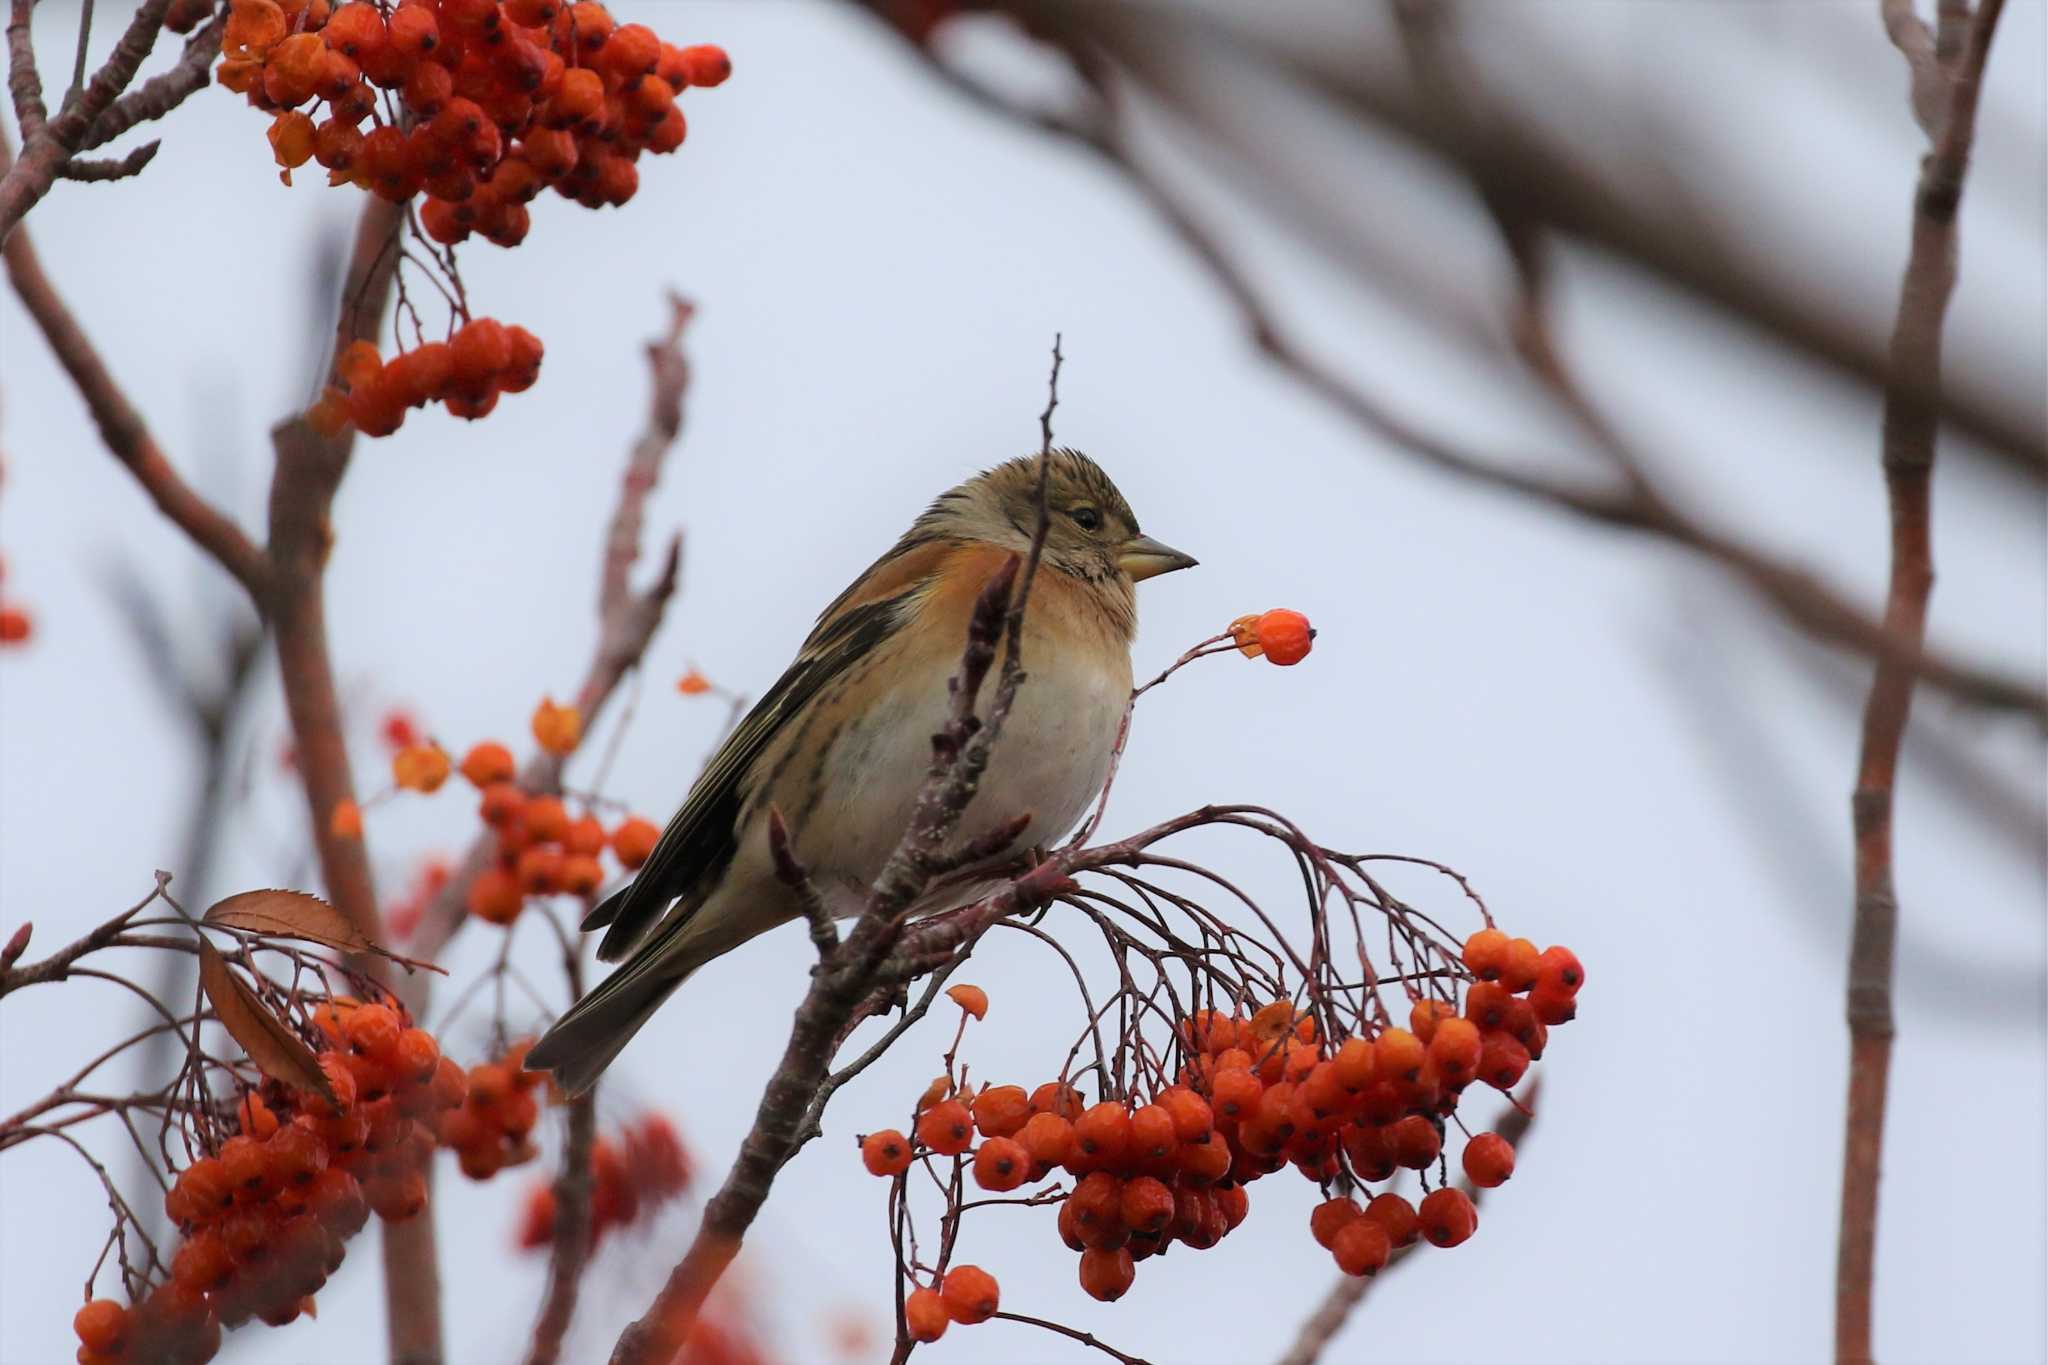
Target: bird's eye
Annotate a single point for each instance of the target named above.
(1087, 518)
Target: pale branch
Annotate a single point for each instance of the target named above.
(126, 435)
(574, 1189)
(1636, 505)
(162, 93)
(1910, 425)
(103, 169)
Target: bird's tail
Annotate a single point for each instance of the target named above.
(584, 1041)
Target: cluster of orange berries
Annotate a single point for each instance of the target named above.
(263, 1220)
(1256, 1095)
(645, 1168)
(542, 850)
(1280, 635)
(493, 1128)
(466, 373)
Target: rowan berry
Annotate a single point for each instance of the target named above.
(1456, 1049)
(669, 133)
(1001, 1111)
(557, 728)
(1415, 1141)
(1145, 1204)
(706, 64)
(581, 874)
(291, 139)
(414, 30)
(1502, 1060)
(1204, 1160)
(203, 1262)
(1398, 1055)
(1558, 972)
(1048, 1138)
(1394, 1213)
(1361, 1247)
(1106, 1275)
(1235, 1094)
(255, 1118)
(547, 819)
(1553, 1006)
(1330, 1217)
(971, 999)
(101, 1325)
(1152, 1139)
(633, 841)
(346, 820)
(1489, 1160)
(1447, 1217)
(1524, 960)
(1486, 953)
(1284, 636)
(1001, 1164)
(1057, 1097)
(496, 896)
(970, 1294)
(1488, 1004)
(924, 1312)
(1193, 1120)
(947, 1128)
(418, 1056)
(1102, 1135)
(631, 50)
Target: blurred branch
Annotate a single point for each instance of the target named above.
(574, 1189)
(1635, 504)
(48, 144)
(1323, 1325)
(1911, 419)
(122, 428)
(1550, 184)
(626, 621)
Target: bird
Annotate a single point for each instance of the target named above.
(840, 746)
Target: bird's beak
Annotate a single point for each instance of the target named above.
(1143, 557)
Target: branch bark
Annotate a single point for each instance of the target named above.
(1910, 423)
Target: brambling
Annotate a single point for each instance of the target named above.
(841, 744)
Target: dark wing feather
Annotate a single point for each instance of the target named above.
(702, 838)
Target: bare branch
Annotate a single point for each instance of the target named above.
(80, 168)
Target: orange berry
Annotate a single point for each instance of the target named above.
(631, 50)
(521, 372)
(540, 869)
(1553, 1006)
(1486, 953)
(1152, 1140)
(1236, 1094)
(1424, 1015)
(1488, 1004)
(706, 64)
(947, 1128)
(1518, 972)
(496, 896)
(346, 821)
(1502, 1060)
(970, 1293)
(291, 139)
(1396, 1215)
(1330, 1217)
(972, 999)
(1416, 1141)
(420, 768)
(503, 804)
(414, 30)
(1145, 1205)
(885, 1153)
(1447, 1217)
(481, 348)
(418, 1055)
(1001, 1111)
(579, 99)
(581, 874)
(1056, 1097)
(1455, 1049)
(547, 819)
(1355, 1064)
(557, 728)
(1398, 1055)
(693, 684)
(1102, 1135)
(1106, 1275)
(1558, 971)
(1361, 1247)
(633, 841)
(255, 1117)
(924, 1312)
(1204, 1160)
(1192, 1117)
(203, 1262)
(373, 1031)
(1048, 1138)
(489, 762)
(1489, 1160)
(101, 1325)
(1001, 1164)
(1285, 636)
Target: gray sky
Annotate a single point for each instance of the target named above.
(1600, 733)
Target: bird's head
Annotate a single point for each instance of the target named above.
(1093, 534)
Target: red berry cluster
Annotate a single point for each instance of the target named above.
(1256, 1095)
(644, 1169)
(542, 849)
(264, 1219)
(466, 373)
(483, 104)
(493, 1128)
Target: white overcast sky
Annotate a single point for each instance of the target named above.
(1602, 734)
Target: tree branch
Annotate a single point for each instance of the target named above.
(1910, 422)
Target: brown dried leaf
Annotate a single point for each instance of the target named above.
(271, 1045)
(290, 914)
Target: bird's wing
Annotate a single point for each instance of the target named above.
(703, 836)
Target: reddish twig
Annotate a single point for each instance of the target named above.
(1910, 421)
(570, 1256)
